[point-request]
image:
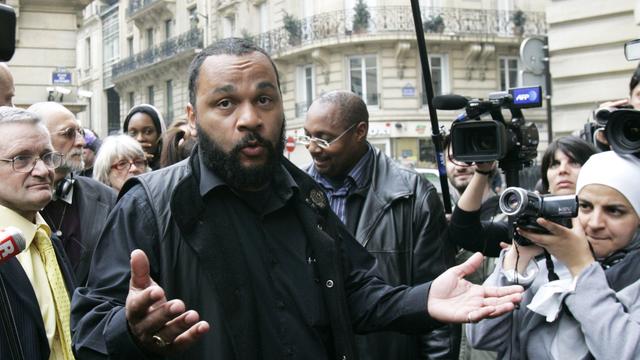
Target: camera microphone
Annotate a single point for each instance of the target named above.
(12, 242)
(450, 102)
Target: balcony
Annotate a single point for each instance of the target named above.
(172, 48)
(141, 11)
(338, 26)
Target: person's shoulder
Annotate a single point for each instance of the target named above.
(88, 184)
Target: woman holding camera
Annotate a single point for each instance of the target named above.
(593, 309)
(560, 167)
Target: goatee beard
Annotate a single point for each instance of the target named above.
(229, 167)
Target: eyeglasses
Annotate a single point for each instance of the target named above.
(126, 164)
(71, 133)
(322, 143)
(26, 163)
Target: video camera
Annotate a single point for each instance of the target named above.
(524, 207)
(482, 134)
(621, 127)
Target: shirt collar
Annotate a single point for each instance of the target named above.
(9, 217)
(359, 173)
(209, 180)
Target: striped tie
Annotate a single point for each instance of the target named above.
(60, 295)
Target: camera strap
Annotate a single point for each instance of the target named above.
(552, 276)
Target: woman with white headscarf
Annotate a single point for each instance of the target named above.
(593, 309)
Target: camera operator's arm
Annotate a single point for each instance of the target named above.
(465, 229)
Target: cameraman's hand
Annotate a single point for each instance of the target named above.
(570, 246)
(486, 166)
(520, 255)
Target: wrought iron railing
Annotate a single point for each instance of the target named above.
(397, 19)
(137, 5)
(192, 39)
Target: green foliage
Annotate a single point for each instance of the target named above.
(294, 27)
(433, 24)
(361, 16)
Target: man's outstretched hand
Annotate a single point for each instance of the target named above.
(158, 326)
(452, 299)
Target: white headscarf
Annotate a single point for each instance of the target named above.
(621, 172)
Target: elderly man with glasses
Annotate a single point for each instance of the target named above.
(392, 211)
(36, 284)
(80, 205)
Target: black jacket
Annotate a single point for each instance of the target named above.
(194, 257)
(400, 223)
(25, 308)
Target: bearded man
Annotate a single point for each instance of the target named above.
(80, 205)
(248, 241)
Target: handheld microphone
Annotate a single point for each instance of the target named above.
(450, 102)
(12, 242)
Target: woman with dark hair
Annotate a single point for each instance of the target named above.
(561, 164)
(177, 143)
(145, 124)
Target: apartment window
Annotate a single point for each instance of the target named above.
(150, 94)
(363, 78)
(87, 53)
(509, 69)
(263, 12)
(132, 100)
(149, 38)
(169, 100)
(305, 85)
(439, 76)
(229, 25)
(193, 17)
(168, 29)
(130, 45)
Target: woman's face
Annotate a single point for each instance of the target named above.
(608, 219)
(562, 174)
(125, 168)
(142, 129)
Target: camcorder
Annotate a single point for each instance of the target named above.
(524, 207)
(482, 134)
(7, 32)
(621, 127)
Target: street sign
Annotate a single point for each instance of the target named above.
(291, 144)
(61, 78)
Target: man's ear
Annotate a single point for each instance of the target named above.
(191, 120)
(362, 130)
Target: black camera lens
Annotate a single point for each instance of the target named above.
(484, 141)
(513, 201)
(623, 131)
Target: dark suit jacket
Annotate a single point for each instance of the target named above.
(95, 201)
(24, 306)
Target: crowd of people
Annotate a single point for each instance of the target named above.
(201, 240)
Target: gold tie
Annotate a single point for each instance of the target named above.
(56, 283)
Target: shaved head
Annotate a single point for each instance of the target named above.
(51, 112)
(7, 88)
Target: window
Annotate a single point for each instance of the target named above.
(132, 100)
(228, 25)
(193, 17)
(130, 45)
(169, 100)
(509, 69)
(439, 76)
(150, 94)
(149, 38)
(87, 53)
(263, 10)
(305, 85)
(363, 78)
(168, 29)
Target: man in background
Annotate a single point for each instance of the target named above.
(80, 205)
(392, 211)
(7, 88)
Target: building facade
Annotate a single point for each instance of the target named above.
(44, 64)
(322, 46)
(586, 41)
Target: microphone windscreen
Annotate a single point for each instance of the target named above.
(450, 102)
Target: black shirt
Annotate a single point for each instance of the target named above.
(64, 221)
(292, 319)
